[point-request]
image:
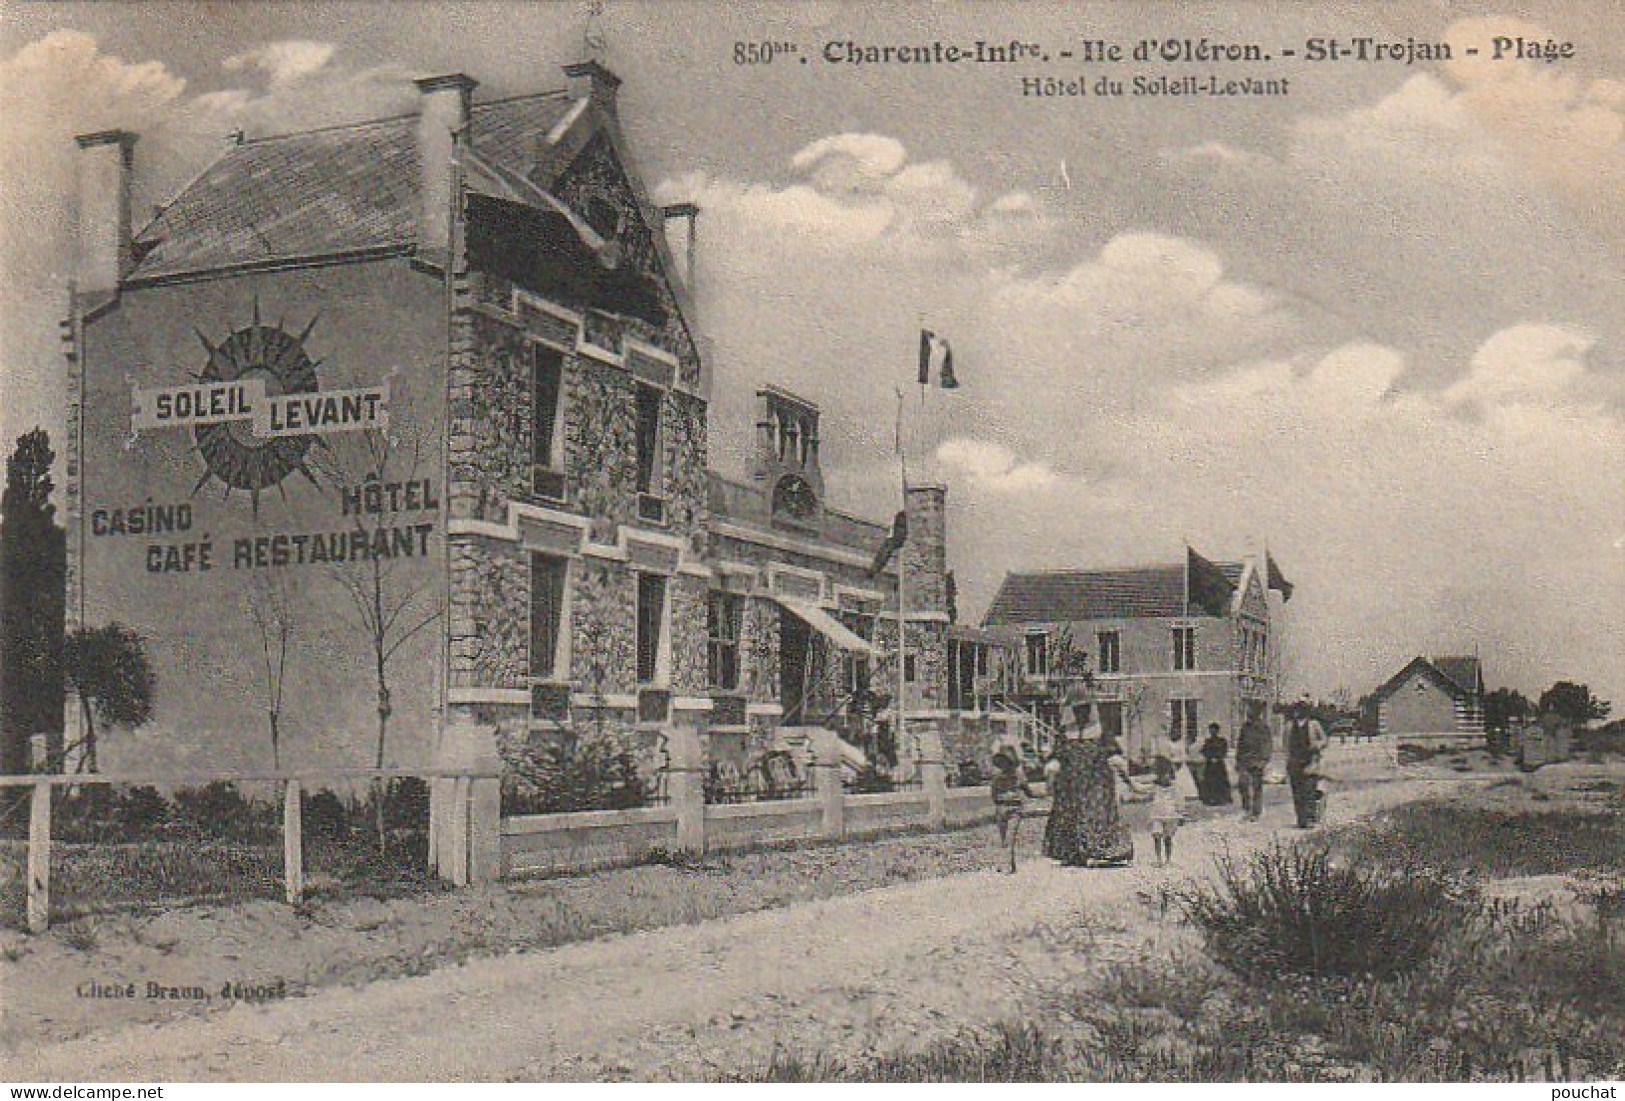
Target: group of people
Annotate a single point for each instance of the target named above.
(1089, 778)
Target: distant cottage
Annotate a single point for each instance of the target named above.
(1441, 697)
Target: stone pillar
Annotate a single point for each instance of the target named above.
(826, 747)
(465, 812)
(933, 777)
(685, 784)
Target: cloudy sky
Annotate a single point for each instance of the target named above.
(1377, 324)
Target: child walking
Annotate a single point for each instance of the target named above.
(1166, 810)
(1010, 793)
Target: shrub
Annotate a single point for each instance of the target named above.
(573, 774)
(406, 803)
(1289, 908)
(88, 813)
(871, 781)
(218, 809)
(969, 774)
(143, 811)
(323, 815)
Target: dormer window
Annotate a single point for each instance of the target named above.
(787, 455)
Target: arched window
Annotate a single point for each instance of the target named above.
(794, 499)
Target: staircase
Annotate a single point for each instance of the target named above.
(1039, 734)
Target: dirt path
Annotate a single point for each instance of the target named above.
(868, 972)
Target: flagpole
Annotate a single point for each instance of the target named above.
(902, 572)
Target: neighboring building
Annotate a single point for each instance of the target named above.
(1437, 697)
(1161, 665)
(449, 353)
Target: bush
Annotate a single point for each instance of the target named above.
(871, 781)
(323, 815)
(968, 775)
(88, 813)
(143, 811)
(573, 774)
(406, 803)
(103, 813)
(218, 809)
(1289, 908)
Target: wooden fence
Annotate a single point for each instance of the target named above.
(453, 827)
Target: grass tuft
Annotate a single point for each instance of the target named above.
(1290, 909)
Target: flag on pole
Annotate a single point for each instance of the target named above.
(1276, 579)
(1206, 586)
(936, 356)
(894, 543)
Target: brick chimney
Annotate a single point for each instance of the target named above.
(105, 258)
(591, 81)
(443, 109)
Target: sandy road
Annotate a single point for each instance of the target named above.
(873, 971)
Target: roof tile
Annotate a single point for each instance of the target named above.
(1072, 596)
(320, 192)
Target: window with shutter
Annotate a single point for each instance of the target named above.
(547, 578)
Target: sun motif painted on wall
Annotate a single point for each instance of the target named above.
(234, 456)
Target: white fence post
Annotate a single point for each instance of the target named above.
(39, 858)
(467, 813)
(293, 842)
(827, 783)
(933, 777)
(685, 785)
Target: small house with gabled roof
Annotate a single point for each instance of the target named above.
(1433, 697)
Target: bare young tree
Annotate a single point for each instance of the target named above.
(273, 616)
(388, 605)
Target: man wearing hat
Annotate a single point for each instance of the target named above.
(1305, 739)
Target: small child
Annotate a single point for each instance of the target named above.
(1166, 810)
(1010, 794)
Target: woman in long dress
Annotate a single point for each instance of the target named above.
(1085, 825)
(1215, 786)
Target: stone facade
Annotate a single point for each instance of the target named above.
(453, 315)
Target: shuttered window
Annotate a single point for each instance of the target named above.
(547, 576)
(651, 621)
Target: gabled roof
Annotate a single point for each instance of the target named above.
(1464, 672)
(1466, 668)
(1072, 596)
(344, 189)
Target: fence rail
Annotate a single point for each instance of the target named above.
(454, 821)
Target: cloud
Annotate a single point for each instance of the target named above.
(1526, 365)
(994, 467)
(858, 163)
(51, 90)
(284, 61)
(1157, 395)
(1564, 128)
